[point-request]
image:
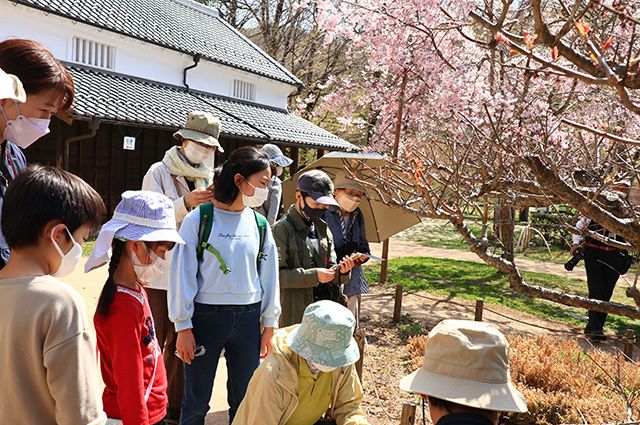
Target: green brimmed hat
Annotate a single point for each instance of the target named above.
(325, 335)
(201, 127)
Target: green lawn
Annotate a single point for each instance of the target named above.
(442, 234)
(454, 278)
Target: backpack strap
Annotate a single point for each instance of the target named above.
(261, 221)
(206, 221)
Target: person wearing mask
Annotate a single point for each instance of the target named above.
(183, 175)
(272, 207)
(222, 294)
(347, 227)
(135, 243)
(464, 376)
(310, 377)
(603, 264)
(49, 89)
(305, 248)
(48, 364)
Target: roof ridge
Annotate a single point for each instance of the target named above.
(262, 52)
(200, 7)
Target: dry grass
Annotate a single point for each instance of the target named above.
(562, 384)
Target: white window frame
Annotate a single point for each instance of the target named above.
(93, 53)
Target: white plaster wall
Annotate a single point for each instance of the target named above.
(134, 57)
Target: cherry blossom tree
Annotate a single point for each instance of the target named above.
(529, 103)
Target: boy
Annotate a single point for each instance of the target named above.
(48, 365)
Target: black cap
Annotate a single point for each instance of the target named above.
(318, 185)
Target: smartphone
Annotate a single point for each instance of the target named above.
(353, 256)
(198, 351)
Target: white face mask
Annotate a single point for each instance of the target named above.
(146, 272)
(24, 131)
(346, 202)
(259, 196)
(195, 153)
(315, 367)
(279, 170)
(71, 259)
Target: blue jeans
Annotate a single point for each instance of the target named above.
(236, 328)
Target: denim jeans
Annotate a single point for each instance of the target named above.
(236, 328)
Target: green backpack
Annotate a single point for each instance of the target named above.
(206, 220)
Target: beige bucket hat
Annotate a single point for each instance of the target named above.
(340, 181)
(467, 363)
(11, 88)
(201, 127)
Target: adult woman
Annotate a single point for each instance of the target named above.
(347, 227)
(183, 176)
(220, 299)
(49, 89)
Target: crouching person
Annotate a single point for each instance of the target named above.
(310, 377)
(465, 375)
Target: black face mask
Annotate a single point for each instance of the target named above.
(311, 214)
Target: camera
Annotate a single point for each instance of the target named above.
(573, 261)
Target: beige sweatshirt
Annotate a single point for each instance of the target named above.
(48, 368)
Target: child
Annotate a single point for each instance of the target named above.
(48, 366)
(142, 230)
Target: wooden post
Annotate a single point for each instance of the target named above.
(408, 413)
(629, 340)
(359, 336)
(383, 264)
(293, 154)
(479, 307)
(397, 307)
(319, 153)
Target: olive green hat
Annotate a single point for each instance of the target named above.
(201, 127)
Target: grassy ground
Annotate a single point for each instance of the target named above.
(454, 278)
(442, 234)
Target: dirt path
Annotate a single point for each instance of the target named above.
(399, 248)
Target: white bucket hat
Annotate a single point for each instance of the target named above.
(325, 335)
(11, 88)
(467, 363)
(141, 215)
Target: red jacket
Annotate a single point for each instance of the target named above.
(129, 353)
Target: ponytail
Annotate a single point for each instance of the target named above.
(109, 289)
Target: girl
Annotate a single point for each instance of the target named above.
(142, 230)
(49, 90)
(218, 301)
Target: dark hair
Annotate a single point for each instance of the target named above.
(109, 289)
(246, 161)
(41, 194)
(38, 70)
(438, 402)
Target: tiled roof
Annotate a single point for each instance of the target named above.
(180, 25)
(115, 97)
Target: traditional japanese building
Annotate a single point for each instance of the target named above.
(140, 67)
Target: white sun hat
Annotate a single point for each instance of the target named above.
(467, 363)
(141, 215)
(11, 88)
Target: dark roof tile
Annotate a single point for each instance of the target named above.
(121, 98)
(180, 25)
